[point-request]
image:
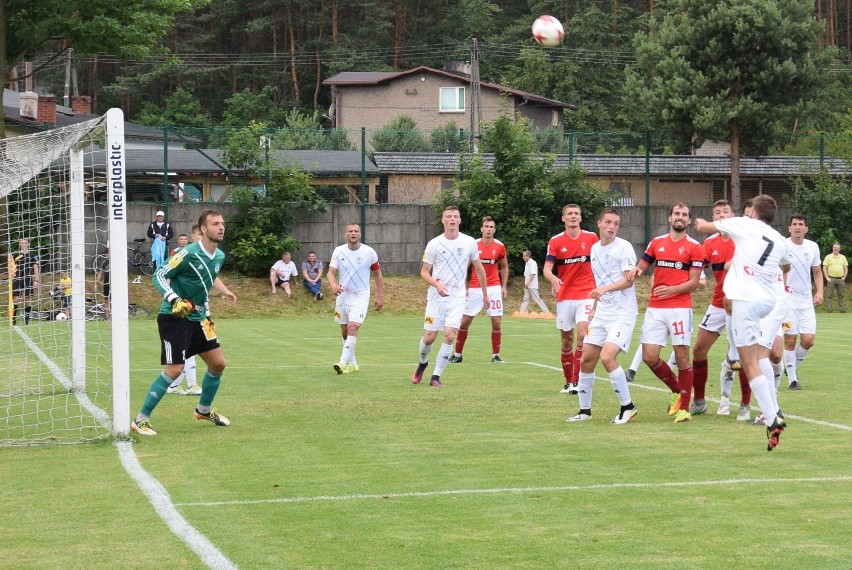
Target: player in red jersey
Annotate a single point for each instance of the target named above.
(718, 253)
(492, 254)
(678, 261)
(569, 252)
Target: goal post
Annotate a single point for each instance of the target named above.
(63, 202)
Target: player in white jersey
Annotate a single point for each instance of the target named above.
(613, 317)
(444, 268)
(349, 277)
(805, 273)
(761, 254)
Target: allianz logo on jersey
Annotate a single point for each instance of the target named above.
(671, 264)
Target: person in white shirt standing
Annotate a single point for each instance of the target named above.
(353, 261)
(444, 268)
(760, 256)
(281, 272)
(613, 318)
(805, 273)
(531, 284)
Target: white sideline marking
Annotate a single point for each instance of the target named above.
(508, 490)
(150, 487)
(666, 390)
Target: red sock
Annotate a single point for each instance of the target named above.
(699, 380)
(567, 365)
(745, 388)
(461, 337)
(496, 338)
(684, 380)
(578, 357)
(662, 371)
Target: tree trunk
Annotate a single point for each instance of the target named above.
(294, 77)
(398, 27)
(335, 10)
(4, 69)
(736, 195)
(614, 31)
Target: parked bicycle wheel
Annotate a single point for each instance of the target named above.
(146, 265)
(139, 311)
(97, 262)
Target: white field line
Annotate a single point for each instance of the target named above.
(667, 391)
(158, 496)
(509, 490)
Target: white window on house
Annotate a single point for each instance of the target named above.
(452, 100)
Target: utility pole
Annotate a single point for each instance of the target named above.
(70, 77)
(475, 106)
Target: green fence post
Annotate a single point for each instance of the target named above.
(363, 183)
(647, 186)
(821, 151)
(166, 171)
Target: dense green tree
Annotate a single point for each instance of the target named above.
(400, 135)
(129, 29)
(261, 226)
(737, 67)
(825, 204)
(522, 191)
(181, 108)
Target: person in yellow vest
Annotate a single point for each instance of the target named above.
(834, 269)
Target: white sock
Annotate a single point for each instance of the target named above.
(778, 370)
(619, 384)
(177, 381)
(762, 392)
(801, 353)
(425, 351)
(585, 386)
(443, 358)
(768, 372)
(347, 355)
(733, 353)
(790, 364)
(726, 380)
(637, 360)
(190, 371)
(672, 361)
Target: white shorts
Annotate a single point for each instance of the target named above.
(660, 324)
(746, 320)
(351, 308)
(772, 326)
(572, 312)
(443, 313)
(801, 321)
(614, 329)
(714, 320)
(473, 305)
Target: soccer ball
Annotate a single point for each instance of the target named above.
(61, 317)
(548, 31)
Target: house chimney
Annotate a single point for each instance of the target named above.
(81, 104)
(29, 105)
(47, 109)
(462, 67)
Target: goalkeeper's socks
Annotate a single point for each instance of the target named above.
(27, 311)
(209, 387)
(155, 394)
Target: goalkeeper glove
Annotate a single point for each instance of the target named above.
(182, 307)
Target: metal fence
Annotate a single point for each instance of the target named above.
(189, 164)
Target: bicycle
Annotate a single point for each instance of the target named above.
(96, 311)
(136, 258)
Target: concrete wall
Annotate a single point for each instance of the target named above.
(398, 232)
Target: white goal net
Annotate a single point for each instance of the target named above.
(64, 354)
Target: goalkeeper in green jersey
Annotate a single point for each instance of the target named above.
(185, 281)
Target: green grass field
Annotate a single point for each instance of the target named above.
(369, 471)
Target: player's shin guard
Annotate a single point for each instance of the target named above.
(578, 357)
(586, 383)
(745, 387)
(760, 388)
(155, 394)
(209, 387)
(619, 385)
(699, 378)
(567, 359)
(461, 338)
(684, 381)
(443, 358)
(425, 351)
(496, 341)
(662, 371)
(791, 364)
